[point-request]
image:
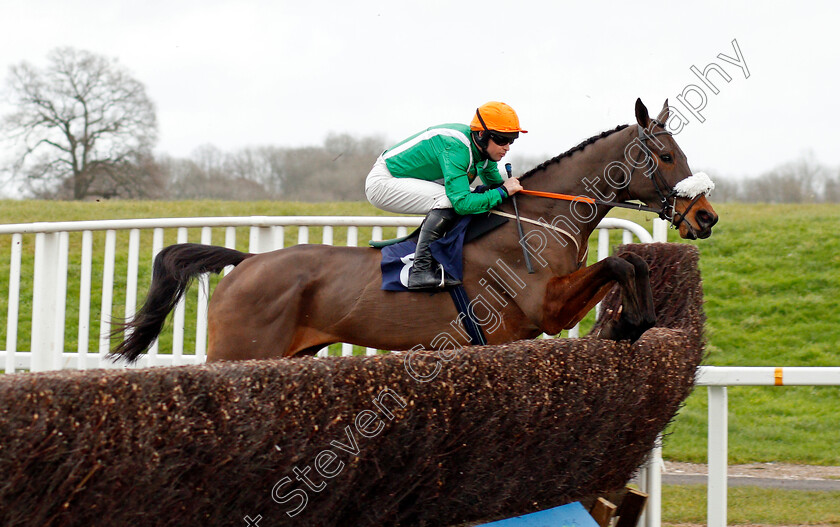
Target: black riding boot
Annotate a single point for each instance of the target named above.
(426, 273)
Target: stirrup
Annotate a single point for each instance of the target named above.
(447, 282)
(431, 283)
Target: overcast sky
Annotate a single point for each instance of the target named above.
(243, 73)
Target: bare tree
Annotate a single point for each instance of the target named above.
(800, 181)
(726, 188)
(81, 124)
(210, 173)
(255, 165)
(334, 172)
(832, 188)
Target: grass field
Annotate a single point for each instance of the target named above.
(771, 279)
(686, 504)
(772, 287)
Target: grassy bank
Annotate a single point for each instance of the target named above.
(772, 286)
(771, 278)
(771, 281)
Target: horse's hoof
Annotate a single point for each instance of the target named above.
(621, 330)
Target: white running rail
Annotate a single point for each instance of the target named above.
(68, 248)
(718, 378)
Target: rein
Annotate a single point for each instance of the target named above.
(674, 217)
(567, 197)
(667, 198)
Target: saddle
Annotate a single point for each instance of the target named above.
(479, 225)
(398, 254)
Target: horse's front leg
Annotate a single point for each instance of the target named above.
(568, 298)
(637, 310)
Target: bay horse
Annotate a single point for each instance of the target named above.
(299, 299)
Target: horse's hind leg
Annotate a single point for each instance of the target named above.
(569, 298)
(247, 319)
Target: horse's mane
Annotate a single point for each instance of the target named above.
(572, 150)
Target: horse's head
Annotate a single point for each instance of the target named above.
(669, 183)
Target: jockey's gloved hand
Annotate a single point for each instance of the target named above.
(481, 189)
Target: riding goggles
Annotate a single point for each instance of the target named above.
(501, 140)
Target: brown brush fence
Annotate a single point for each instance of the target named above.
(501, 430)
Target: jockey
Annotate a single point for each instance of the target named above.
(430, 173)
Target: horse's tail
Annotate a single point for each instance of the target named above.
(175, 267)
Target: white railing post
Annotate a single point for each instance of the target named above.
(660, 230)
(131, 272)
(278, 235)
(203, 300)
(84, 299)
(642, 481)
(261, 240)
(14, 303)
(718, 438)
(303, 234)
(48, 301)
(157, 246)
(61, 297)
(653, 482)
(179, 314)
(107, 297)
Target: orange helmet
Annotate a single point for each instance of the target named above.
(497, 117)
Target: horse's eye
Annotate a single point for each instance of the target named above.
(666, 157)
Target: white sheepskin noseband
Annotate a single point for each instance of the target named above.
(694, 185)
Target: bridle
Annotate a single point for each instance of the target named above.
(667, 194)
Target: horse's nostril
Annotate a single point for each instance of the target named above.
(706, 219)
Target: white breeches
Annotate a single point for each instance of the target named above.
(403, 195)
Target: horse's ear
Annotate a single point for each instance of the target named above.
(642, 116)
(665, 113)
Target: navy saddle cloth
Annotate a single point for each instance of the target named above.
(447, 251)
